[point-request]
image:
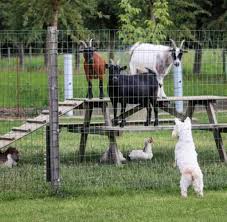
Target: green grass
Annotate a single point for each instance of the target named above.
(118, 206)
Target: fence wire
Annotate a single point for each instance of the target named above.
(24, 95)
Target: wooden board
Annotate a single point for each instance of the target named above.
(36, 123)
(103, 130)
(171, 98)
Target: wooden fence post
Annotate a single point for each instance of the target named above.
(53, 107)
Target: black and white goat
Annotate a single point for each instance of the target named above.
(132, 89)
(158, 58)
(10, 157)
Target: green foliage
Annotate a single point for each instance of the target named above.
(186, 15)
(136, 26)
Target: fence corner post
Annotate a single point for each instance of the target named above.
(52, 33)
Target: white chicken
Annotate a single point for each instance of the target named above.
(145, 153)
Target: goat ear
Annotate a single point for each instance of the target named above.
(123, 67)
(107, 66)
(112, 62)
(171, 50)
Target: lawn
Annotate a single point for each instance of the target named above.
(118, 206)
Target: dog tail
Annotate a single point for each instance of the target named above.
(196, 173)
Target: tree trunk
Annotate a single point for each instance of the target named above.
(111, 45)
(45, 54)
(55, 7)
(21, 55)
(198, 59)
(77, 59)
(150, 8)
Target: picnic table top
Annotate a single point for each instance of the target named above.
(171, 98)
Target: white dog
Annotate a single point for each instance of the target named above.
(186, 158)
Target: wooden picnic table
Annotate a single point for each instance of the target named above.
(165, 104)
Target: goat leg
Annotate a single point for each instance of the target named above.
(147, 123)
(115, 120)
(101, 94)
(123, 121)
(89, 91)
(155, 107)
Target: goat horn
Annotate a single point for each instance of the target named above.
(111, 61)
(83, 42)
(182, 43)
(90, 42)
(174, 44)
(118, 62)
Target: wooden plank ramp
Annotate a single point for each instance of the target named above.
(36, 123)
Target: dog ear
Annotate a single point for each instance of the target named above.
(177, 121)
(188, 120)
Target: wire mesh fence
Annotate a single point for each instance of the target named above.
(24, 97)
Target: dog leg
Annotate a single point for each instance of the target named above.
(185, 182)
(198, 182)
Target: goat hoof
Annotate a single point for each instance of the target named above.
(115, 122)
(146, 123)
(89, 96)
(122, 124)
(155, 123)
(101, 96)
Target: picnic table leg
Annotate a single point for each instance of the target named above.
(84, 135)
(216, 132)
(190, 109)
(220, 145)
(113, 155)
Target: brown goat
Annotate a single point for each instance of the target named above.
(10, 157)
(94, 68)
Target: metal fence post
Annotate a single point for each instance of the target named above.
(53, 107)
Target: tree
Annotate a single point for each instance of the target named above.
(31, 16)
(188, 18)
(140, 25)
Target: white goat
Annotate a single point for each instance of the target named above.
(186, 158)
(158, 58)
(145, 153)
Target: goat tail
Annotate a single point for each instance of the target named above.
(131, 50)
